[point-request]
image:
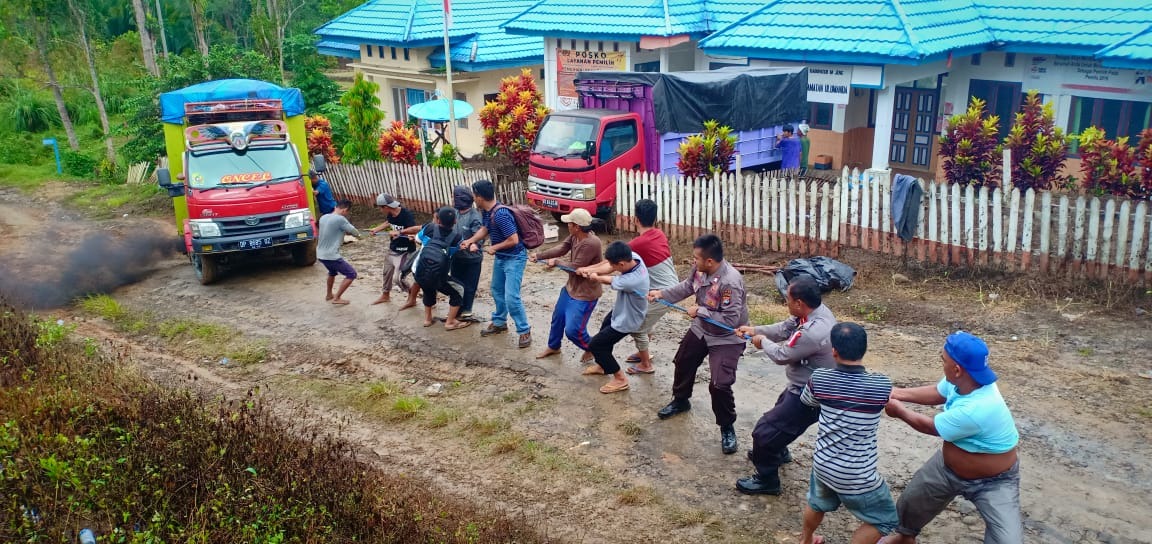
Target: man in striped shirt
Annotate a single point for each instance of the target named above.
(844, 468)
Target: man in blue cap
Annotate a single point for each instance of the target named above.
(978, 459)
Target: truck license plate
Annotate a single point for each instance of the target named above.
(550, 203)
(255, 244)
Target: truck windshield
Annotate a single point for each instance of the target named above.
(231, 168)
(565, 136)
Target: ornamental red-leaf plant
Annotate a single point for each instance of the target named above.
(1108, 166)
(707, 153)
(970, 148)
(319, 132)
(1038, 147)
(512, 121)
(400, 144)
(1144, 161)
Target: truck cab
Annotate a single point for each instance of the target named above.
(240, 187)
(574, 160)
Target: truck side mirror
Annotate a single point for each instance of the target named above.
(319, 164)
(164, 180)
(589, 151)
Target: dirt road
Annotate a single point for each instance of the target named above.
(536, 438)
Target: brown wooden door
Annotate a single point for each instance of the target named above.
(913, 128)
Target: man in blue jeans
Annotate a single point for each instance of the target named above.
(508, 266)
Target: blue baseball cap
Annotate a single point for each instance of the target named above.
(971, 353)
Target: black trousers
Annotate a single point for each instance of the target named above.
(777, 428)
(602, 344)
(722, 361)
(449, 287)
(467, 273)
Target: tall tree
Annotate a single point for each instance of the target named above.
(80, 16)
(271, 20)
(146, 43)
(199, 25)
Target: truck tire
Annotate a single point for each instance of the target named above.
(304, 254)
(609, 218)
(206, 267)
(556, 216)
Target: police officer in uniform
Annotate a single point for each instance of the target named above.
(801, 344)
(719, 291)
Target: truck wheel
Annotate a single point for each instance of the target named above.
(304, 254)
(609, 218)
(207, 269)
(556, 216)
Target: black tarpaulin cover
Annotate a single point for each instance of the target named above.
(828, 272)
(741, 98)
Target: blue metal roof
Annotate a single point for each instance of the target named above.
(917, 31)
(611, 19)
(1133, 52)
(872, 31)
(337, 49)
(420, 23)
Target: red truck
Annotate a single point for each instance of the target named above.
(636, 121)
(240, 186)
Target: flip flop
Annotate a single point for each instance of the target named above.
(458, 326)
(429, 323)
(632, 359)
(633, 370)
(593, 370)
(609, 388)
(340, 302)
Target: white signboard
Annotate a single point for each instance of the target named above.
(1084, 73)
(829, 83)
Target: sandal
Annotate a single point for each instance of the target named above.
(634, 358)
(459, 325)
(633, 370)
(593, 370)
(609, 388)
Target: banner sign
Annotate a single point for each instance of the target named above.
(569, 63)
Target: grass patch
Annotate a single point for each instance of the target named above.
(187, 336)
(442, 417)
(684, 517)
(763, 314)
(27, 177)
(382, 390)
(487, 427)
(1145, 411)
(507, 443)
(407, 407)
(100, 445)
(1086, 352)
(631, 428)
(637, 496)
(107, 200)
(870, 312)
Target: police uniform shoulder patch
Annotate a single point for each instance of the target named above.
(726, 298)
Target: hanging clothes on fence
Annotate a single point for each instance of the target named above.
(906, 196)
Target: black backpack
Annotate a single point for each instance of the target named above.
(434, 262)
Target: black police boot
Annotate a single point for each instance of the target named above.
(728, 440)
(787, 457)
(760, 484)
(673, 408)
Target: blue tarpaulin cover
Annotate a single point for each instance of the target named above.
(172, 103)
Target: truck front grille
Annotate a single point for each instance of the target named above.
(241, 226)
(547, 188)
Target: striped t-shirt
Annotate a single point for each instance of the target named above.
(850, 401)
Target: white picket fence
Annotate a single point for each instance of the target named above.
(1088, 237)
(419, 188)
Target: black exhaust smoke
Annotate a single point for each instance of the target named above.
(100, 263)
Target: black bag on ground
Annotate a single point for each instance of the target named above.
(434, 262)
(829, 274)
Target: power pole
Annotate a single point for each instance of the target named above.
(163, 36)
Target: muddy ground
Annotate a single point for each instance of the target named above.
(536, 438)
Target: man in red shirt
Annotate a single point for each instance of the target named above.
(652, 247)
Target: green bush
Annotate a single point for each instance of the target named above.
(77, 164)
(29, 110)
(85, 441)
(24, 148)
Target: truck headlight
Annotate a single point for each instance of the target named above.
(297, 219)
(532, 186)
(587, 193)
(204, 228)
